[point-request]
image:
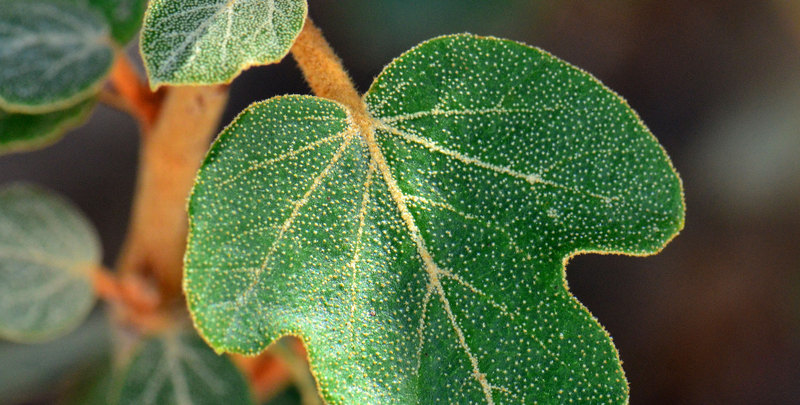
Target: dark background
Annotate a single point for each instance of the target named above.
(714, 318)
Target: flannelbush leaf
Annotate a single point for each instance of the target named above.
(179, 368)
(419, 250)
(212, 41)
(54, 54)
(48, 251)
(22, 132)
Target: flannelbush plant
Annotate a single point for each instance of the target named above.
(413, 238)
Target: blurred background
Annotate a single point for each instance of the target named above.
(714, 318)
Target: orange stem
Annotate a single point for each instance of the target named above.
(134, 303)
(267, 374)
(142, 103)
(127, 292)
(323, 70)
(106, 285)
(171, 153)
(271, 372)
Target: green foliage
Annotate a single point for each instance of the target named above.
(54, 55)
(212, 41)
(95, 387)
(123, 16)
(179, 368)
(48, 250)
(419, 252)
(21, 132)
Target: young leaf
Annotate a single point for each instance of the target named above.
(20, 132)
(48, 250)
(123, 16)
(54, 55)
(419, 250)
(179, 368)
(212, 41)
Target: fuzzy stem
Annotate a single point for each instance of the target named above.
(129, 293)
(323, 70)
(170, 156)
(142, 103)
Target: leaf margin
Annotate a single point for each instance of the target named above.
(155, 85)
(79, 316)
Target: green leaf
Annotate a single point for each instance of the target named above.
(123, 16)
(48, 251)
(54, 55)
(179, 368)
(212, 41)
(419, 251)
(21, 132)
(93, 386)
(27, 368)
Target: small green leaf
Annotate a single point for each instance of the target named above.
(419, 251)
(123, 16)
(22, 132)
(212, 41)
(179, 368)
(54, 54)
(48, 251)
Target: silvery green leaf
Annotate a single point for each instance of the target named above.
(22, 132)
(123, 16)
(212, 41)
(48, 251)
(53, 55)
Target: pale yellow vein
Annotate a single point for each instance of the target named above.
(531, 178)
(298, 205)
(287, 155)
(475, 290)
(426, 203)
(437, 112)
(429, 265)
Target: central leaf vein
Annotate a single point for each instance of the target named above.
(431, 268)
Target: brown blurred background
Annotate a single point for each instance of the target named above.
(714, 318)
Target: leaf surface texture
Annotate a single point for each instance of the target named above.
(53, 54)
(212, 41)
(419, 251)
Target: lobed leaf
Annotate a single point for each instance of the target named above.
(54, 54)
(48, 250)
(21, 132)
(179, 368)
(419, 251)
(212, 41)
